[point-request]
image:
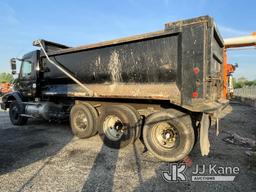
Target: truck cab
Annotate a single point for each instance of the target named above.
(27, 80)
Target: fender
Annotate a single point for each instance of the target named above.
(9, 97)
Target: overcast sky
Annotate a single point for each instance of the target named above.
(83, 22)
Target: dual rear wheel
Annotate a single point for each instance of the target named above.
(117, 125)
(168, 134)
(84, 120)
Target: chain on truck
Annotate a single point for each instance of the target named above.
(161, 87)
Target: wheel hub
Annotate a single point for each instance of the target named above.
(81, 120)
(164, 135)
(113, 127)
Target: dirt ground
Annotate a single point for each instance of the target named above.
(43, 156)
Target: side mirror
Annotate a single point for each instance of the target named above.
(13, 65)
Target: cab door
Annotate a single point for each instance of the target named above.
(26, 83)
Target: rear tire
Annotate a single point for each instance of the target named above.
(118, 125)
(169, 135)
(15, 111)
(137, 118)
(84, 120)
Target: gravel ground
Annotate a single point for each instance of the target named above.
(44, 156)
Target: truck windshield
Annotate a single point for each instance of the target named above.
(26, 68)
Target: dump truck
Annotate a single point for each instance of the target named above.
(163, 88)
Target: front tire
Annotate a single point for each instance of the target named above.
(15, 111)
(169, 135)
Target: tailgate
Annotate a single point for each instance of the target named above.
(214, 74)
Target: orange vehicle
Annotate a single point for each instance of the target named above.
(230, 70)
(230, 43)
(5, 88)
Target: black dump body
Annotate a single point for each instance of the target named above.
(182, 64)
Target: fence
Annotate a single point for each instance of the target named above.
(246, 92)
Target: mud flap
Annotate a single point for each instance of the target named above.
(217, 127)
(204, 134)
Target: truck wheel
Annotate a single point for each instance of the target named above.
(96, 118)
(84, 120)
(15, 111)
(136, 116)
(117, 126)
(169, 135)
